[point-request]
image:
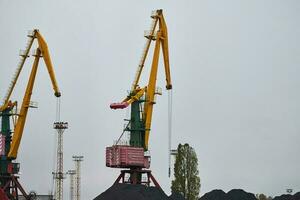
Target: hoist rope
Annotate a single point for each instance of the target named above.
(170, 107)
(58, 109)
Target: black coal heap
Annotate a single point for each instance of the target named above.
(134, 192)
(121, 191)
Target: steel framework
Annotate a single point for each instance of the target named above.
(77, 160)
(72, 174)
(135, 177)
(59, 174)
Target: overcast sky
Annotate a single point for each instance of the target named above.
(235, 72)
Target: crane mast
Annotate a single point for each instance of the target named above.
(10, 139)
(141, 101)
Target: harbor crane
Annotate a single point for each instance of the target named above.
(10, 139)
(133, 156)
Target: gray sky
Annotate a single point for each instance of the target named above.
(235, 71)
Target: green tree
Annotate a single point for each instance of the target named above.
(263, 197)
(186, 174)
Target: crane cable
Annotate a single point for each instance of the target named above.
(58, 109)
(170, 107)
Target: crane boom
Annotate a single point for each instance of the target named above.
(43, 47)
(144, 54)
(161, 40)
(17, 72)
(165, 50)
(10, 139)
(141, 131)
(42, 51)
(18, 132)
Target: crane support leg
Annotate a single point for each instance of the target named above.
(9, 191)
(135, 177)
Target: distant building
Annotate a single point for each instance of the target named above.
(39, 197)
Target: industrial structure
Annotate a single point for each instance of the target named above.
(72, 174)
(77, 192)
(59, 175)
(13, 122)
(38, 197)
(134, 156)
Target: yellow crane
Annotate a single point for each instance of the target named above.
(161, 41)
(142, 100)
(9, 149)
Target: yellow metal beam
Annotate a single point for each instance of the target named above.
(46, 56)
(148, 108)
(42, 51)
(165, 50)
(18, 132)
(161, 40)
(144, 56)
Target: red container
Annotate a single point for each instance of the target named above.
(121, 156)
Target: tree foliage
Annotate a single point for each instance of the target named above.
(186, 175)
(263, 197)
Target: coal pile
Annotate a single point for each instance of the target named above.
(140, 192)
(297, 196)
(284, 197)
(215, 195)
(176, 196)
(236, 194)
(135, 192)
(288, 197)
